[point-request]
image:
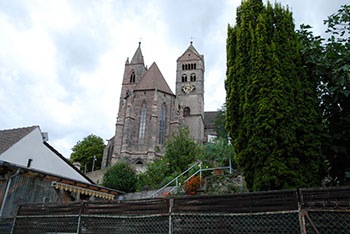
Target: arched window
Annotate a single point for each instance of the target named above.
(184, 78)
(187, 111)
(193, 77)
(191, 66)
(132, 77)
(142, 122)
(162, 124)
(183, 66)
(194, 66)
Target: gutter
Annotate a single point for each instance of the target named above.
(7, 190)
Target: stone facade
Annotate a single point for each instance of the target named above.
(149, 112)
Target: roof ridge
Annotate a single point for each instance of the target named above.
(20, 128)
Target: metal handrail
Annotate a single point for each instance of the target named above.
(175, 179)
(199, 171)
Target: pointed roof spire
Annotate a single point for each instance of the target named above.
(153, 79)
(191, 47)
(138, 57)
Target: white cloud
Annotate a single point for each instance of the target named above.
(62, 62)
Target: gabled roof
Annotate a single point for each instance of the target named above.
(10, 137)
(193, 50)
(138, 57)
(153, 79)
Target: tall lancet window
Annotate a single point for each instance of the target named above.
(162, 124)
(142, 123)
(132, 77)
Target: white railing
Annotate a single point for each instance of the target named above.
(200, 170)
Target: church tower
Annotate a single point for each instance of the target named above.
(190, 91)
(133, 72)
(148, 115)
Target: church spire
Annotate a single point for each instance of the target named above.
(138, 57)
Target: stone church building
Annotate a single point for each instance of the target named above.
(149, 111)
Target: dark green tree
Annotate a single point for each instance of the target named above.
(327, 61)
(121, 177)
(272, 107)
(85, 150)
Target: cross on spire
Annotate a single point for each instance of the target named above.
(191, 39)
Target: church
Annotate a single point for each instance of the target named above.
(149, 112)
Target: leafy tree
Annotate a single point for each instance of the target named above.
(272, 107)
(220, 122)
(121, 177)
(180, 151)
(85, 150)
(327, 62)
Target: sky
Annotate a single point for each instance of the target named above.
(62, 62)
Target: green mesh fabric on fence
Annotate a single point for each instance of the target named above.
(242, 223)
(328, 222)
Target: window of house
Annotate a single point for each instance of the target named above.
(132, 77)
(142, 123)
(194, 66)
(184, 78)
(193, 77)
(187, 111)
(162, 124)
(183, 66)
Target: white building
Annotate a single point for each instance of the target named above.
(27, 147)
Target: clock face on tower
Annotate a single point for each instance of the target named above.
(188, 88)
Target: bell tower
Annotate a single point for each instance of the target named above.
(190, 90)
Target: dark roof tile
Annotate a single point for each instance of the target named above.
(10, 136)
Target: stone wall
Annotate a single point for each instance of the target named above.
(96, 176)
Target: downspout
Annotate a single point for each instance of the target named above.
(7, 190)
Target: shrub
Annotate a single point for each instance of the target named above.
(121, 177)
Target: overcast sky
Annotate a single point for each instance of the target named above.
(62, 62)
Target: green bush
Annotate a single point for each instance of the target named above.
(121, 177)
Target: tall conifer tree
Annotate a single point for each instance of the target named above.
(272, 110)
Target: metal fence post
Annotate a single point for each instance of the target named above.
(301, 219)
(171, 203)
(79, 218)
(230, 165)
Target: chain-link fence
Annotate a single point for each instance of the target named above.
(328, 222)
(286, 211)
(194, 223)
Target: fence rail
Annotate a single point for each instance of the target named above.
(287, 211)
